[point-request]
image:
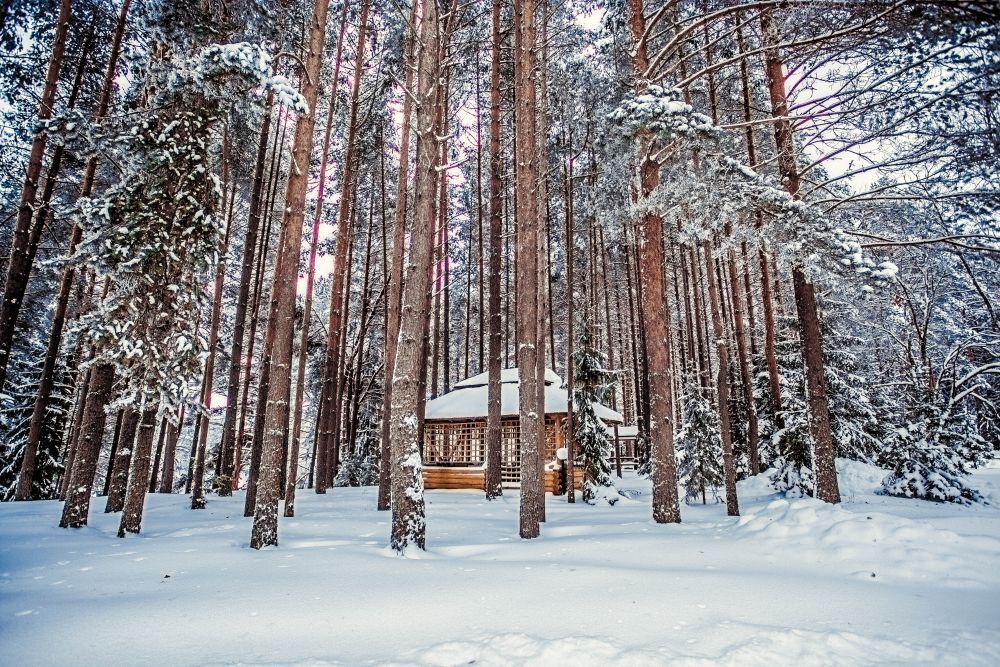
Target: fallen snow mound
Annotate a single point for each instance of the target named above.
(873, 545)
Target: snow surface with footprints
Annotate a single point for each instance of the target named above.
(873, 581)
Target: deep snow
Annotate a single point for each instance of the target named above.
(875, 580)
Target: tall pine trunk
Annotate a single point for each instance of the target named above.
(407, 486)
(329, 406)
(394, 299)
(494, 487)
(806, 305)
(138, 478)
(526, 204)
(19, 264)
(655, 314)
(281, 319)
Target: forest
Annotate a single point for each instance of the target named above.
(572, 260)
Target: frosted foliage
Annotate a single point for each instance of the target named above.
(590, 434)
(934, 455)
(700, 446)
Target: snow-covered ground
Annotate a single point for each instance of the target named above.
(876, 580)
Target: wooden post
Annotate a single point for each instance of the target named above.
(618, 454)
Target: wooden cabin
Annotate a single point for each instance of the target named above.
(454, 447)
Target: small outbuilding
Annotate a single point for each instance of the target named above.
(454, 447)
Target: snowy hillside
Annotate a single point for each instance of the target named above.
(874, 581)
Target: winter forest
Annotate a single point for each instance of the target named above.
(606, 331)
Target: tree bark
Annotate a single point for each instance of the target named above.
(169, 457)
(138, 479)
(655, 314)
(122, 462)
(281, 319)
(329, 406)
(303, 356)
(805, 295)
(19, 264)
(408, 522)
(88, 448)
(394, 302)
(46, 380)
(526, 206)
(494, 488)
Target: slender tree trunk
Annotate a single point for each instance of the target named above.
(19, 264)
(169, 457)
(394, 303)
(526, 205)
(570, 322)
(66, 282)
(114, 452)
(138, 479)
(303, 356)
(655, 313)
(281, 319)
(331, 368)
(122, 462)
(722, 384)
(494, 488)
(805, 294)
(158, 456)
(88, 448)
(408, 522)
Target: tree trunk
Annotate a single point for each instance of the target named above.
(394, 302)
(281, 319)
(408, 523)
(655, 314)
(570, 321)
(66, 281)
(722, 384)
(805, 295)
(173, 433)
(122, 462)
(303, 356)
(158, 456)
(138, 479)
(88, 448)
(331, 368)
(19, 264)
(526, 207)
(494, 487)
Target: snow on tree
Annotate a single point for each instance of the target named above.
(155, 235)
(590, 435)
(700, 447)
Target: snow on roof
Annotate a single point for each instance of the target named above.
(468, 398)
(507, 376)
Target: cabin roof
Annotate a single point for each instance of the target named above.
(468, 399)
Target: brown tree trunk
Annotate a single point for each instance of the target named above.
(281, 319)
(655, 314)
(303, 355)
(19, 264)
(494, 487)
(722, 384)
(138, 478)
(88, 448)
(394, 298)
(805, 295)
(526, 206)
(408, 522)
(570, 321)
(158, 456)
(227, 473)
(329, 407)
(173, 433)
(115, 439)
(66, 282)
(122, 462)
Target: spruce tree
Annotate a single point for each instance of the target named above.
(590, 435)
(700, 446)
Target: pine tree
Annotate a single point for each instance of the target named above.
(590, 435)
(700, 446)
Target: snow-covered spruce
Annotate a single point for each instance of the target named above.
(591, 437)
(700, 448)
